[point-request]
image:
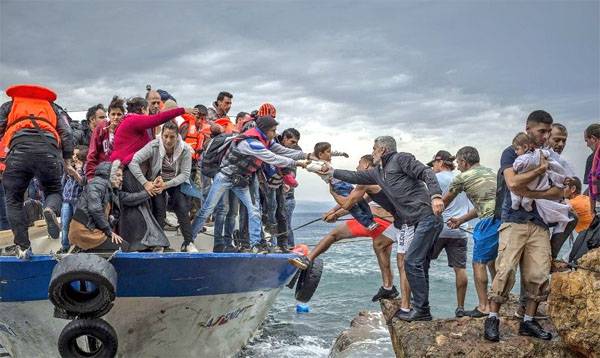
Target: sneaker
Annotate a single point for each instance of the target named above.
(413, 315)
(191, 248)
(63, 250)
(460, 312)
(373, 226)
(23, 254)
(9, 250)
(300, 262)
(533, 329)
(475, 313)
(230, 249)
(491, 329)
(218, 248)
(385, 294)
(52, 223)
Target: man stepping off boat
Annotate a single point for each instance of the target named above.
(383, 236)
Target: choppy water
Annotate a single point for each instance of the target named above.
(350, 278)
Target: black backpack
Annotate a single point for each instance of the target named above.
(214, 153)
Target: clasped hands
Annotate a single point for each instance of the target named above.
(155, 187)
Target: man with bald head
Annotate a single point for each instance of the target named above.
(153, 98)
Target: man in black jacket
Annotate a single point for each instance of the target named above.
(414, 190)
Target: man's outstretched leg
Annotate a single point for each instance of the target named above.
(338, 233)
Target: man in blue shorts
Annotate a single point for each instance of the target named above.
(479, 183)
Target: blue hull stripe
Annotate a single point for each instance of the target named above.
(157, 275)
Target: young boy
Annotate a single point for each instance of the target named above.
(73, 182)
(361, 211)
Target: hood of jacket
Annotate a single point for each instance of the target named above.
(103, 170)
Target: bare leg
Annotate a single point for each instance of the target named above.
(461, 286)
(481, 281)
(491, 265)
(338, 233)
(383, 249)
(404, 286)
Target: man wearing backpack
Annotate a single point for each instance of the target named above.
(244, 155)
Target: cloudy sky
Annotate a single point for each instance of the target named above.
(435, 75)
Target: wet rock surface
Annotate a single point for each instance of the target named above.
(366, 327)
(464, 337)
(574, 305)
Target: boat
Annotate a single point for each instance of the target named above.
(165, 305)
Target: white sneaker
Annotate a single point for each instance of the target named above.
(23, 254)
(189, 248)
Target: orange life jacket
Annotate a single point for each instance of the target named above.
(31, 105)
(194, 136)
(226, 124)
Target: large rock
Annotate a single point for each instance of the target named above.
(464, 337)
(366, 330)
(574, 305)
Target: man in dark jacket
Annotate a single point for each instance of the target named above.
(38, 137)
(414, 190)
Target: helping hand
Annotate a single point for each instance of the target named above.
(116, 239)
(454, 223)
(192, 111)
(437, 205)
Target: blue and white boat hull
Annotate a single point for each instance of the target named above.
(168, 305)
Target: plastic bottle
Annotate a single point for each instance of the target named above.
(302, 308)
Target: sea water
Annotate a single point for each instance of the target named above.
(350, 279)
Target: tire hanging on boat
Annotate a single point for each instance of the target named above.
(103, 335)
(83, 285)
(309, 281)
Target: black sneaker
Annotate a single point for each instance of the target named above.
(300, 262)
(219, 248)
(491, 329)
(459, 312)
(475, 313)
(230, 249)
(533, 329)
(385, 294)
(52, 223)
(414, 315)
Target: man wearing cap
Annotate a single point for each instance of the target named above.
(454, 241)
(243, 157)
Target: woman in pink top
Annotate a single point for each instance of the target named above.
(137, 225)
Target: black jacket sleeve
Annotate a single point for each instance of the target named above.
(133, 199)
(95, 209)
(64, 131)
(4, 111)
(367, 177)
(417, 170)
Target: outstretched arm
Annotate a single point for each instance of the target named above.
(363, 177)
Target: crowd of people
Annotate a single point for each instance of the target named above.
(113, 177)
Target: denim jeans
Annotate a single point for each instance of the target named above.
(271, 196)
(66, 213)
(290, 205)
(220, 215)
(21, 167)
(220, 185)
(416, 261)
(230, 219)
(3, 217)
(255, 195)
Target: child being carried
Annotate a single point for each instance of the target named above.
(529, 158)
(360, 211)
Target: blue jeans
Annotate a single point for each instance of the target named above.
(417, 258)
(66, 213)
(220, 215)
(3, 218)
(234, 208)
(290, 204)
(220, 185)
(271, 197)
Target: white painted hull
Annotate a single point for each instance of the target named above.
(194, 326)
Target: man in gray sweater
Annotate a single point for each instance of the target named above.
(415, 193)
(170, 163)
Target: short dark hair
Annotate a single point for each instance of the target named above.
(171, 126)
(240, 115)
(83, 152)
(291, 133)
(223, 94)
(91, 112)
(321, 147)
(539, 116)
(593, 130)
(369, 159)
(560, 127)
(468, 154)
(117, 103)
(575, 182)
(202, 109)
(136, 105)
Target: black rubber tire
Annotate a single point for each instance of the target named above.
(97, 328)
(83, 267)
(309, 281)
